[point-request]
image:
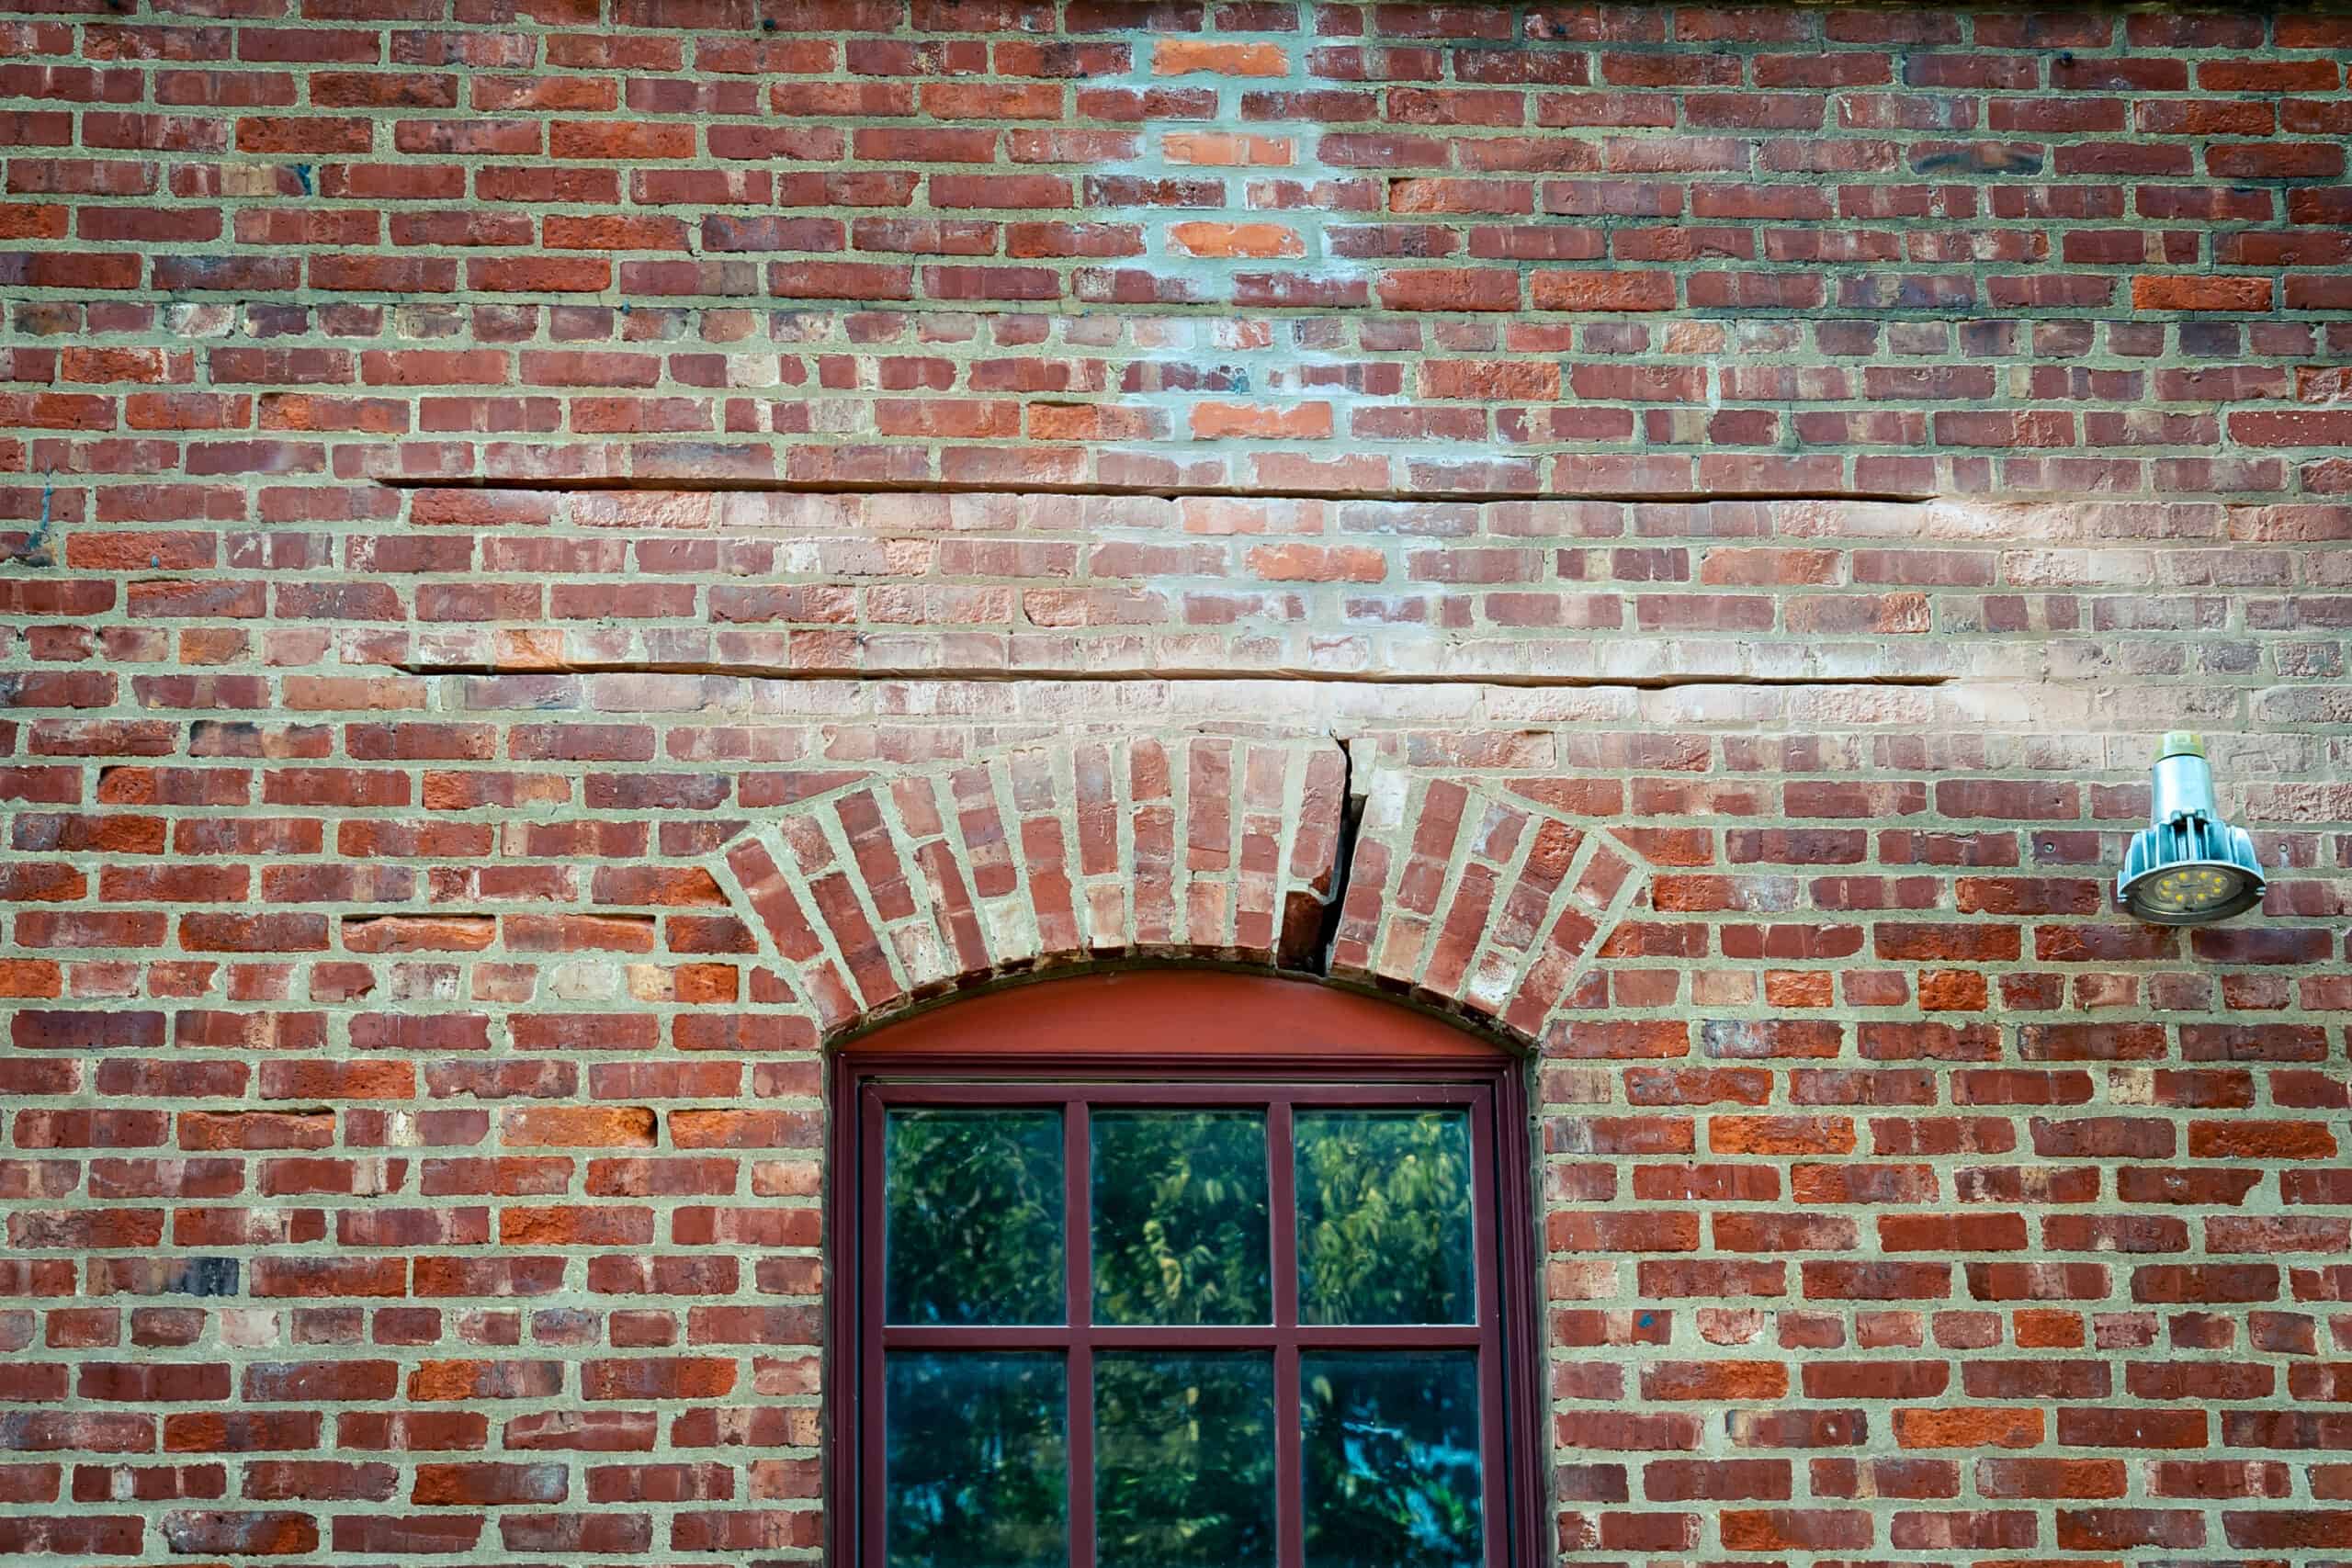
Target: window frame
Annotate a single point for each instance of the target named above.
(1158, 1037)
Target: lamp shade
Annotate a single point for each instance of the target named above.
(2187, 867)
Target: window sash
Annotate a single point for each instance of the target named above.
(1286, 1338)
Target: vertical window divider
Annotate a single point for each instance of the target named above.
(1289, 1448)
(870, 1287)
(1078, 1210)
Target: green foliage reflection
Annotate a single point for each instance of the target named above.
(1384, 1217)
(973, 1214)
(1391, 1453)
(1184, 1460)
(977, 1472)
(1180, 1217)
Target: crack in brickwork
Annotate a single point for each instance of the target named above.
(1164, 492)
(820, 672)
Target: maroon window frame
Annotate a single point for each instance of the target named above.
(1189, 1038)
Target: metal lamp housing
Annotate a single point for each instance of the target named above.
(2188, 867)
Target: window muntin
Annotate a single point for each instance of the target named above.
(1224, 1322)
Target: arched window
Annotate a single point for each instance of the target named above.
(1172, 1268)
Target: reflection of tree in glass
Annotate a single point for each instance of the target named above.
(1391, 1453)
(1384, 1217)
(1180, 1217)
(1184, 1460)
(973, 1216)
(977, 1473)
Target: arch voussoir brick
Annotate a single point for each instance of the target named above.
(1479, 896)
(887, 891)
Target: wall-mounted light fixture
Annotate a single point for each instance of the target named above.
(2188, 868)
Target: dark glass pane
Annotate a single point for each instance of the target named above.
(978, 1466)
(973, 1216)
(1384, 1217)
(1183, 1460)
(1180, 1217)
(1391, 1458)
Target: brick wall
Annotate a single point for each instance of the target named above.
(557, 561)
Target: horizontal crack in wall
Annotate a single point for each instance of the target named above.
(1300, 677)
(681, 485)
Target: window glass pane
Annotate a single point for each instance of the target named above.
(1384, 1217)
(1184, 1460)
(1391, 1458)
(1180, 1217)
(973, 1216)
(977, 1464)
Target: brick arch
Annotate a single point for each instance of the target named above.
(885, 892)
